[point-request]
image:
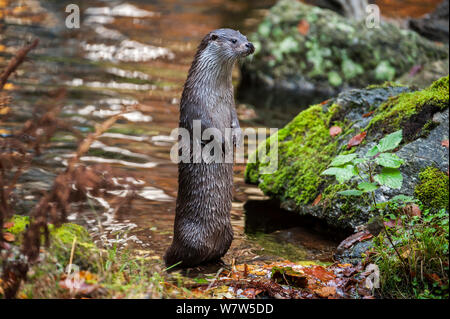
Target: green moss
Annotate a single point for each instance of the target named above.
(20, 224)
(433, 189)
(384, 85)
(305, 148)
(391, 115)
(61, 240)
(330, 192)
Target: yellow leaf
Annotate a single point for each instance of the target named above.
(8, 87)
(4, 110)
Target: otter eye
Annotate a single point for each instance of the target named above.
(234, 41)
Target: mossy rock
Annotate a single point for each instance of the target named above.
(411, 111)
(433, 189)
(306, 148)
(61, 240)
(301, 48)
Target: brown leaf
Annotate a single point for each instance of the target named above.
(303, 27)
(393, 223)
(368, 114)
(286, 275)
(412, 210)
(245, 270)
(317, 200)
(320, 273)
(349, 241)
(356, 140)
(444, 143)
(365, 237)
(335, 130)
(251, 292)
(325, 292)
(9, 237)
(8, 225)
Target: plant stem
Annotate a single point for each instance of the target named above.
(395, 249)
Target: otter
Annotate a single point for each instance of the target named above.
(202, 228)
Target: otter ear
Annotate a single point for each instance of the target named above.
(214, 37)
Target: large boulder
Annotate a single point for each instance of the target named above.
(305, 48)
(306, 148)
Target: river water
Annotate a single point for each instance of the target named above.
(136, 55)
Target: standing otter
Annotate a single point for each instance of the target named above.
(202, 230)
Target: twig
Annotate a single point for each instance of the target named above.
(71, 255)
(16, 61)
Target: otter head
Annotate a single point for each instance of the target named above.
(226, 45)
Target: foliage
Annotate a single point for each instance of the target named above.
(412, 252)
(345, 167)
(423, 243)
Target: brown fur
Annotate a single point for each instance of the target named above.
(202, 229)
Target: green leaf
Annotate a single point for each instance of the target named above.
(359, 161)
(403, 198)
(391, 141)
(390, 177)
(351, 192)
(342, 174)
(367, 187)
(343, 159)
(373, 151)
(389, 160)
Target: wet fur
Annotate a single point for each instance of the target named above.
(202, 229)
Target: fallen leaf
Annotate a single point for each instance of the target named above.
(412, 210)
(444, 143)
(317, 200)
(405, 254)
(356, 140)
(435, 278)
(335, 130)
(8, 225)
(319, 273)
(251, 292)
(5, 110)
(325, 292)
(9, 237)
(393, 223)
(289, 276)
(349, 241)
(245, 270)
(9, 87)
(365, 237)
(303, 27)
(368, 114)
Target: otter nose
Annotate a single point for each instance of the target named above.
(250, 47)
